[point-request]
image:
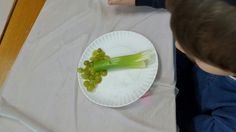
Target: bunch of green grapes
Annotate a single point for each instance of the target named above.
(91, 77)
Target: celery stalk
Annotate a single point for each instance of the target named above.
(138, 60)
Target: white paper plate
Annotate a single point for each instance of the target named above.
(120, 87)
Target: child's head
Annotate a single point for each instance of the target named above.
(206, 31)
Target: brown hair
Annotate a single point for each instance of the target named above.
(206, 29)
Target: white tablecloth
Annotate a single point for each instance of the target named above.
(42, 88)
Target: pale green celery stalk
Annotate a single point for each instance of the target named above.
(138, 60)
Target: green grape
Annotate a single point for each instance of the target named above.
(102, 54)
(91, 77)
(99, 50)
(91, 86)
(95, 59)
(92, 71)
(97, 74)
(98, 79)
(80, 70)
(98, 58)
(106, 57)
(92, 58)
(86, 83)
(87, 73)
(91, 64)
(86, 63)
(85, 76)
(86, 70)
(104, 73)
(95, 53)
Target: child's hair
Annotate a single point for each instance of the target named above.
(206, 29)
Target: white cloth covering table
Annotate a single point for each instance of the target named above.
(42, 91)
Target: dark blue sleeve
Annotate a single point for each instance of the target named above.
(152, 3)
(220, 120)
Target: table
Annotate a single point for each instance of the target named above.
(42, 91)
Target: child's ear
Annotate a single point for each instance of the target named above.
(177, 45)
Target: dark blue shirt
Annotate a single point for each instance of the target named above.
(152, 3)
(215, 95)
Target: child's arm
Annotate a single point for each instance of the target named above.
(152, 3)
(220, 120)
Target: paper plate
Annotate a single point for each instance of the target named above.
(120, 87)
